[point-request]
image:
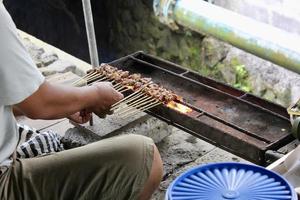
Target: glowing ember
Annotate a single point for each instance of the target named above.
(129, 87)
(179, 107)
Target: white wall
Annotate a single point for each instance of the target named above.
(284, 14)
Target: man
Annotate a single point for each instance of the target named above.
(125, 167)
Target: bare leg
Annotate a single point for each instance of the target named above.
(154, 177)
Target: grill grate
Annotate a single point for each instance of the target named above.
(227, 117)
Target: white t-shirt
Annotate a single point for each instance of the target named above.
(19, 78)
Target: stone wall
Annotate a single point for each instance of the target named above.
(253, 74)
(134, 27)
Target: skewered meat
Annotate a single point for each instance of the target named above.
(136, 82)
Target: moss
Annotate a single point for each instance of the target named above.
(183, 47)
(242, 76)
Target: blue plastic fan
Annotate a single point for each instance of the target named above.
(230, 181)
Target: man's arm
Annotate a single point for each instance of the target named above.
(56, 101)
(17, 111)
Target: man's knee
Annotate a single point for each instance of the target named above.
(135, 143)
(157, 167)
(155, 176)
(150, 154)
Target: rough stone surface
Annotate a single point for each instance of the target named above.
(59, 66)
(266, 79)
(49, 62)
(250, 73)
(38, 54)
(48, 58)
(142, 124)
(213, 52)
(181, 151)
(152, 127)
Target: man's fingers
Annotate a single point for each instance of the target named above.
(110, 112)
(102, 116)
(81, 117)
(86, 118)
(120, 96)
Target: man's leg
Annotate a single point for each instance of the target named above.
(114, 169)
(154, 177)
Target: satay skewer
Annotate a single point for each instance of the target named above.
(136, 104)
(119, 87)
(133, 94)
(103, 79)
(92, 76)
(78, 82)
(124, 90)
(117, 84)
(84, 77)
(152, 105)
(88, 80)
(95, 77)
(133, 108)
(128, 97)
(128, 100)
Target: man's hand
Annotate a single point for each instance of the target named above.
(105, 97)
(56, 101)
(80, 117)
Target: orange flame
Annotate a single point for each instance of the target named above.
(179, 107)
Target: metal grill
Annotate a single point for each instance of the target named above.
(236, 121)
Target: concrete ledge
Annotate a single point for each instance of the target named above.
(141, 123)
(81, 66)
(279, 13)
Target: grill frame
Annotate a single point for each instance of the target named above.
(210, 125)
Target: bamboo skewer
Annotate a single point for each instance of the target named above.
(119, 87)
(84, 77)
(135, 104)
(137, 107)
(88, 80)
(79, 82)
(124, 103)
(116, 85)
(129, 96)
(125, 90)
(129, 114)
(147, 107)
(103, 79)
(152, 105)
(127, 100)
(93, 76)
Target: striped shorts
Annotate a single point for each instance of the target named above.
(33, 143)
